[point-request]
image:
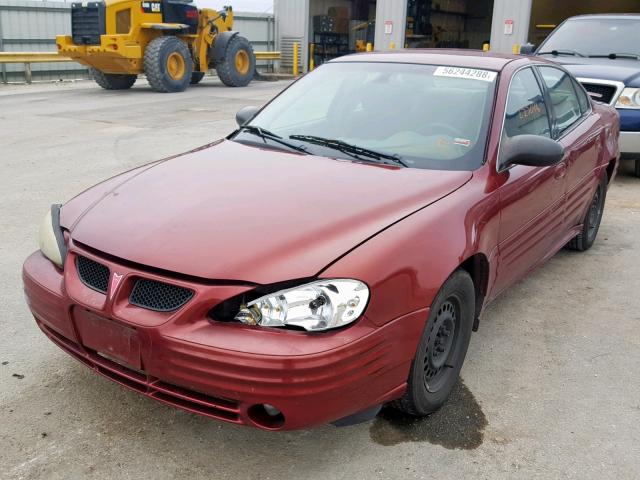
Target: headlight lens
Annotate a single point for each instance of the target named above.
(50, 238)
(629, 98)
(316, 306)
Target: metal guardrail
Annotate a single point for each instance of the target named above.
(27, 58)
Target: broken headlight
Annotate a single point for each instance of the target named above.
(50, 237)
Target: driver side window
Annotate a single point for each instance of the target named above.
(526, 109)
(526, 112)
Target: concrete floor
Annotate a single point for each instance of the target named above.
(551, 386)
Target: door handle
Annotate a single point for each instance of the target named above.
(560, 171)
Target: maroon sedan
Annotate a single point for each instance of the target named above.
(334, 253)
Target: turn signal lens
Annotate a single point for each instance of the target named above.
(316, 306)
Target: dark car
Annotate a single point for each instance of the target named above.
(334, 253)
(603, 52)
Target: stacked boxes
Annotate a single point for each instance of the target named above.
(324, 24)
(336, 21)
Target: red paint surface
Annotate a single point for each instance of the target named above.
(228, 216)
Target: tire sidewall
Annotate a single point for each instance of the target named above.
(235, 45)
(459, 285)
(588, 242)
(167, 46)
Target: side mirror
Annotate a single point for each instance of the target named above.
(531, 151)
(245, 114)
(527, 49)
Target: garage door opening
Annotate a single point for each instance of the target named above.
(448, 23)
(340, 27)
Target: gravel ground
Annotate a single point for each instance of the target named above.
(550, 389)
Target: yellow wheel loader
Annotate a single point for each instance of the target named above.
(170, 41)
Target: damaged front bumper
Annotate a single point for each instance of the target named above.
(267, 378)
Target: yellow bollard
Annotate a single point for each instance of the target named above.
(516, 49)
(312, 60)
(392, 46)
(296, 47)
(486, 47)
(369, 47)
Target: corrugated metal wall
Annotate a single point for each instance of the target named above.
(292, 26)
(30, 26)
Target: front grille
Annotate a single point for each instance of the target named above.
(87, 23)
(159, 296)
(93, 274)
(599, 92)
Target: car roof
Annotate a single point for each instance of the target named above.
(615, 16)
(437, 56)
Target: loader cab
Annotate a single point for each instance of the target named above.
(180, 11)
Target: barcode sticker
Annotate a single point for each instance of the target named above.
(468, 73)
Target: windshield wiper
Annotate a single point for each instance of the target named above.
(349, 149)
(613, 56)
(555, 53)
(267, 135)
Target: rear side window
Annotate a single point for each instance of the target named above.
(526, 110)
(583, 99)
(564, 100)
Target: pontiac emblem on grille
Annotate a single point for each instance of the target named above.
(116, 278)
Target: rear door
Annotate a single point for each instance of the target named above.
(574, 127)
(532, 198)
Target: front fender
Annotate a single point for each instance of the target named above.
(406, 264)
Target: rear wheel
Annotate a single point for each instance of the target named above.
(168, 64)
(637, 169)
(442, 348)
(591, 224)
(112, 81)
(239, 63)
(196, 77)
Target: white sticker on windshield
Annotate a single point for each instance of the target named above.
(469, 73)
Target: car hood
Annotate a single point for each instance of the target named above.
(625, 70)
(236, 212)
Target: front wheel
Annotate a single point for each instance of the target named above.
(637, 169)
(168, 64)
(239, 63)
(591, 224)
(442, 348)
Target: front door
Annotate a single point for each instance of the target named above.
(574, 129)
(532, 198)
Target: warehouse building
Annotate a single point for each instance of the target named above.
(326, 29)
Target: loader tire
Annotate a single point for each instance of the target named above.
(112, 81)
(239, 63)
(168, 64)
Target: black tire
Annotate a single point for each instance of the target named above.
(196, 77)
(637, 169)
(228, 70)
(442, 348)
(112, 81)
(591, 224)
(159, 57)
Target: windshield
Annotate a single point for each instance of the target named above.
(595, 36)
(426, 116)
